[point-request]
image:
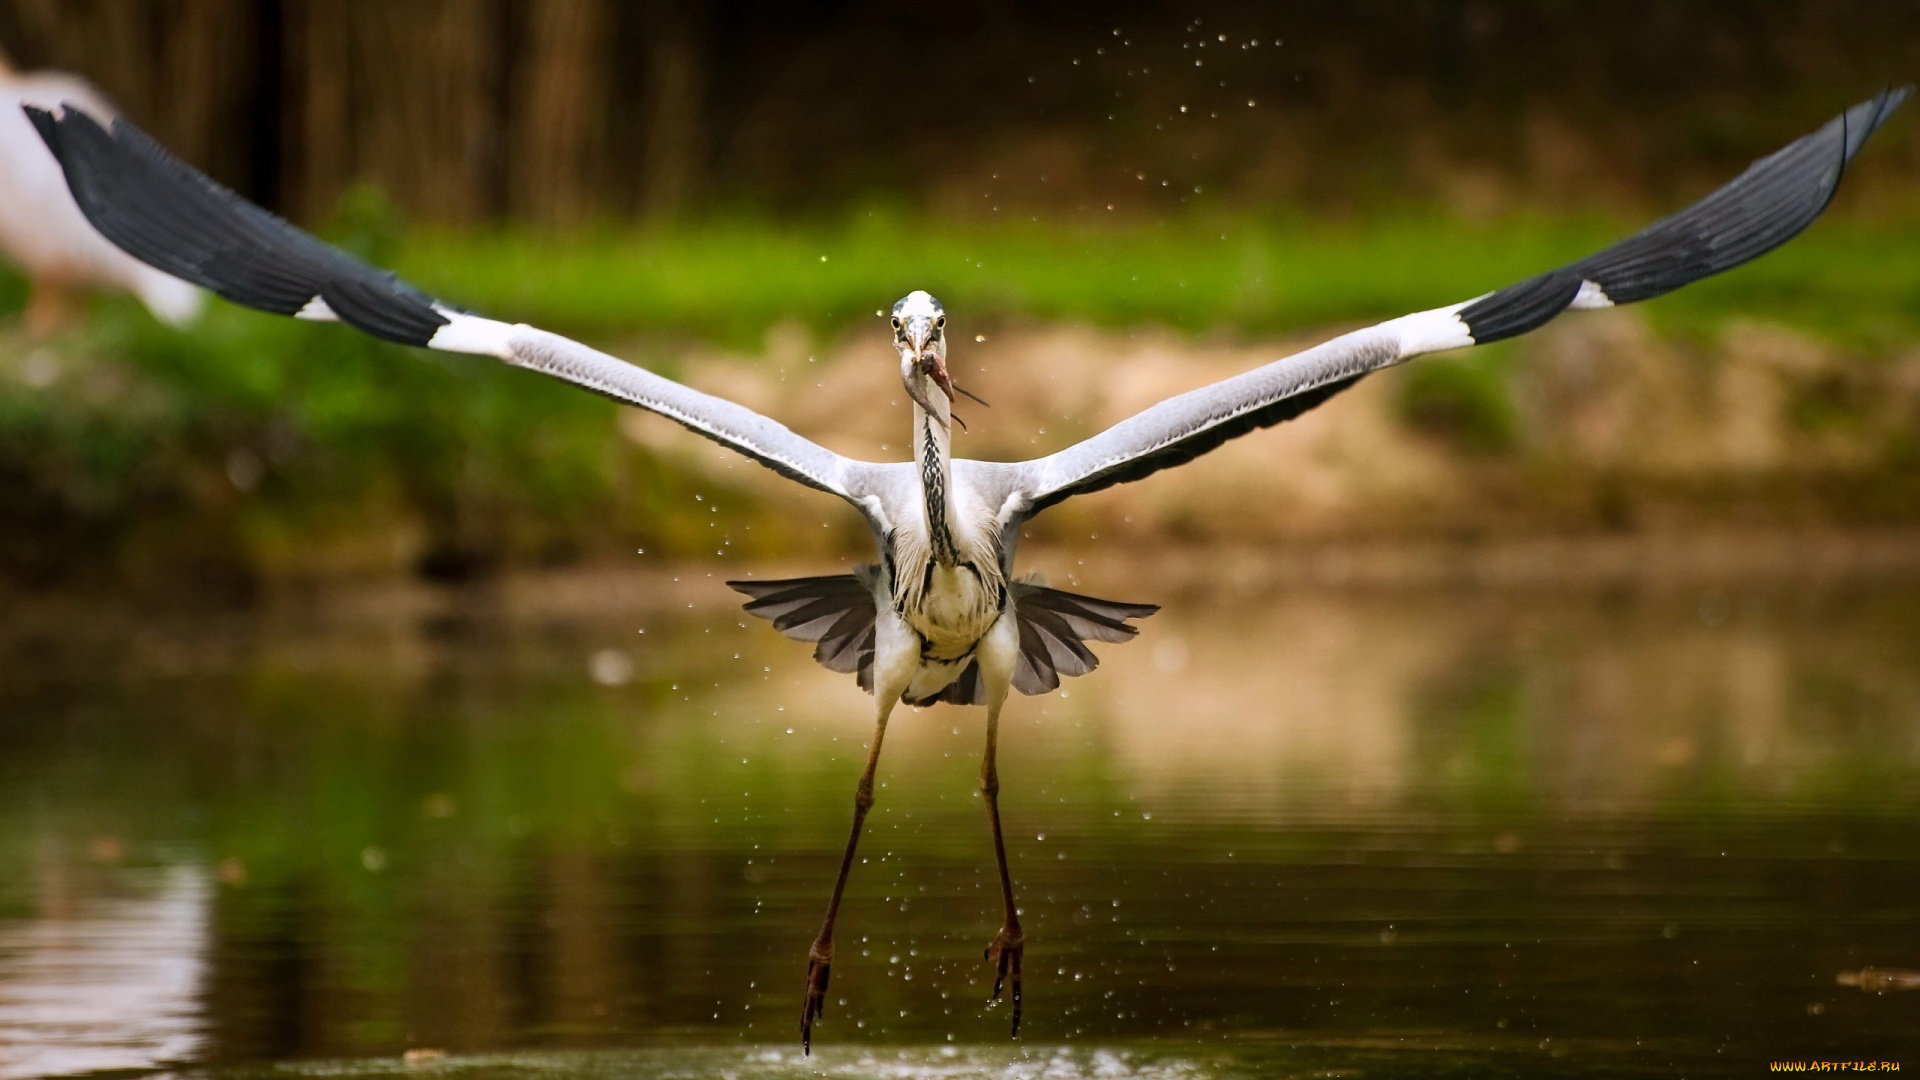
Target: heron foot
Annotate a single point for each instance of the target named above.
(819, 968)
(1004, 954)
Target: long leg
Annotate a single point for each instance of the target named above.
(1010, 942)
(820, 956)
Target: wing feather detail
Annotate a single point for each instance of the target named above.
(834, 612)
(166, 213)
(1765, 206)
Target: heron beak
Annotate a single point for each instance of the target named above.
(919, 361)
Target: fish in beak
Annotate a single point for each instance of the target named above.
(921, 360)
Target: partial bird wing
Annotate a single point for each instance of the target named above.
(836, 613)
(1761, 209)
(168, 214)
(42, 230)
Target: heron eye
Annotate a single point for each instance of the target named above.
(940, 323)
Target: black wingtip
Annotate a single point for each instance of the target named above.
(1762, 208)
(43, 122)
(54, 123)
(171, 216)
(48, 125)
(1865, 118)
(1891, 98)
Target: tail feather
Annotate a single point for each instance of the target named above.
(848, 646)
(836, 614)
(1048, 650)
(968, 689)
(1100, 620)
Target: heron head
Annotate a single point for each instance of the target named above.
(920, 334)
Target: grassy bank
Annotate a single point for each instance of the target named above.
(252, 447)
(1851, 279)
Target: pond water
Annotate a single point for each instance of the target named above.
(1308, 833)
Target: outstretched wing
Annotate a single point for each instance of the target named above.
(1764, 207)
(166, 213)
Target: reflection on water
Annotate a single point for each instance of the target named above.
(105, 977)
(1308, 832)
(904, 1063)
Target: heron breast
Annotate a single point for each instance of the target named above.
(956, 608)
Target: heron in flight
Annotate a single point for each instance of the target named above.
(941, 615)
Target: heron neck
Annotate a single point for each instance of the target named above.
(932, 450)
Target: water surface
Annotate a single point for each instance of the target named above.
(1311, 833)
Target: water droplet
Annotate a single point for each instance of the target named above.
(611, 667)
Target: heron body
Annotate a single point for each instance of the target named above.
(940, 616)
(948, 606)
(946, 571)
(948, 579)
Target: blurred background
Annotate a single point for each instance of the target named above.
(1548, 709)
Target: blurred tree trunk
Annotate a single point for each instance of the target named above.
(560, 111)
(426, 71)
(320, 159)
(555, 165)
(674, 98)
(195, 56)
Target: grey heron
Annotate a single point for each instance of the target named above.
(44, 233)
(940, 617)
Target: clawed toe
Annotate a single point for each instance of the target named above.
(819, 969)
(1004, 954)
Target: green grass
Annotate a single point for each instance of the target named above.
(727, 281)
